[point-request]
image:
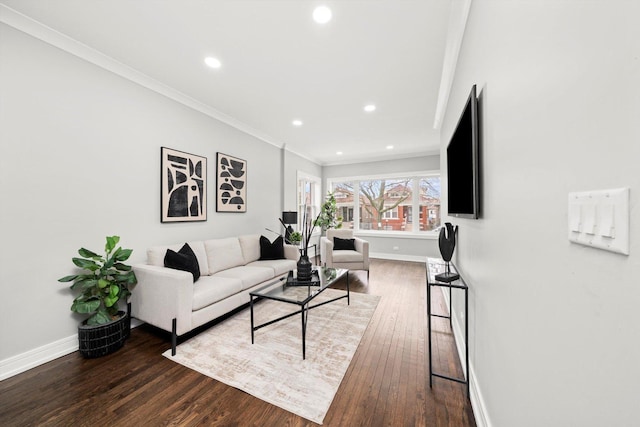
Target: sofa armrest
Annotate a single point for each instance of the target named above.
(291, 252)
(161, 295)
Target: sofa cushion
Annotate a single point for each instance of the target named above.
(279, 266)
(155, 255)
(271, 250)
(223, 254)
(250, 245)
(211, 289)
(347, 256)
(344, 244)
(184, 260)
(250, 276)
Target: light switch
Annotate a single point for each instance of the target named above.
(575, 218)
(600, 219)
(606, 221)
(589, 223)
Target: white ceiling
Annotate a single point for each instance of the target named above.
(279, 65)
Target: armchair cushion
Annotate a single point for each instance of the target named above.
(344, 244)
(184, 260)
(347, 256)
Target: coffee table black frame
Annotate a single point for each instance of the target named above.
(277, 291)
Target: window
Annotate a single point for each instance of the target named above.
(390, 214)
(389, 204)
(343, 192)
(308, 197)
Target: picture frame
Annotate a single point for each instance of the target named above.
(231, 184)
(183, 186)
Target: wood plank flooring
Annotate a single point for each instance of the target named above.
(386, 384)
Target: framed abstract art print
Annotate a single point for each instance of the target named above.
(184, 186)
(231, 184)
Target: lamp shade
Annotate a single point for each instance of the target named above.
(290, 217)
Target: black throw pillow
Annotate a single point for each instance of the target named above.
(344, 244)
(184, 260)
(269, 250)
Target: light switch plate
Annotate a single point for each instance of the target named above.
(600, 219)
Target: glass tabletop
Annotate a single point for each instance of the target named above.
(298, 292)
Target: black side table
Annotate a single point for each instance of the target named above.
(435, 266)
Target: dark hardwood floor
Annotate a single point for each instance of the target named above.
(386, 384)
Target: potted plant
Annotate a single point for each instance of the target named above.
(328, 217)
(104, 281)
(295, 238)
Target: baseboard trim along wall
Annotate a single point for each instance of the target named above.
(477, 401)
(39, 356)
(398, 257)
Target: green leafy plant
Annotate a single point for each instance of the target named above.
(105, 281)
(295, 237)
(328, 217)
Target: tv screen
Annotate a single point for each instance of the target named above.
(462, 163)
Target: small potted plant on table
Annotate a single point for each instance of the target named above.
(105, 280)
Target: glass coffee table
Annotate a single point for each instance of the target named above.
(290, 290)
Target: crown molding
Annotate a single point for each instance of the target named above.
(457, 24)
(57, 39)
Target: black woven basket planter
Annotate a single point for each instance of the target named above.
(100, 340)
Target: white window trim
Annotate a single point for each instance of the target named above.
(300, 175)
(415, 233)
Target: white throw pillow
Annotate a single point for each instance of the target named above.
(250, 245)
(223, 254)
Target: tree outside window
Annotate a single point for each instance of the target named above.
(380, 198)
(389, 204)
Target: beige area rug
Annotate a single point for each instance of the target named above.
(272, 369)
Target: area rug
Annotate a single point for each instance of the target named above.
(272, 369)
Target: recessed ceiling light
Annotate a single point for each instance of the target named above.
(369, 108)
(389, 147)
(297, 122)
(339, 153)
(212, 62)
(322, 14)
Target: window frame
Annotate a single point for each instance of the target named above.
(415, 176)
(316, 194)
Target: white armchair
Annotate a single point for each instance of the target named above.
(357, 259)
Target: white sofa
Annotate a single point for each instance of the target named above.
(230, 268)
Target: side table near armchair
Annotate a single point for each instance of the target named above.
(340, 249)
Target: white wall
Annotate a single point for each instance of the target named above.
(293, 163)
(79, 160)
(554, 326)
(407, 248)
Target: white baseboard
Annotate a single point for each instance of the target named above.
(41, 355)
(477, 402)
(398, 257)
(38, 356)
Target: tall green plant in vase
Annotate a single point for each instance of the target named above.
(105, 281)
(328, 217)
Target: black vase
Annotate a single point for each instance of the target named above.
(304, 268)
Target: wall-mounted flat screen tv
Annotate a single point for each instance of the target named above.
(463, 163)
